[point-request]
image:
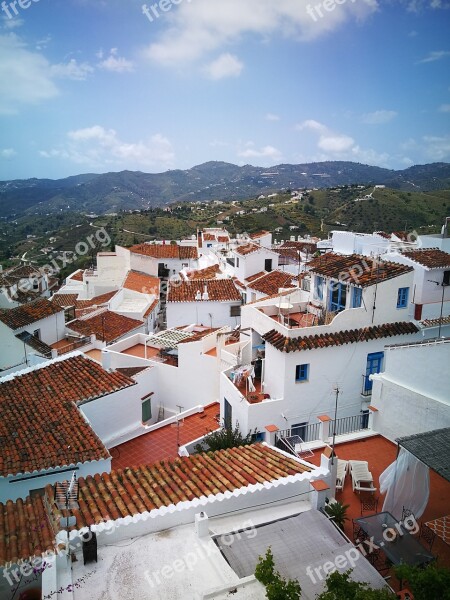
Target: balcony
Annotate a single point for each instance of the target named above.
(249, 387)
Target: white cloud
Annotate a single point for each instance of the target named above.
(201, 27)
(226, 65)
(43, 43)
(270, 154)
(312, 125)
(11, 23)
(25, 77)
(272, 117)
(72, 70)
(99, 147)
(8, 153)
(335, 143)
(434, 56)
(379, 117)
(437, 148)
(114, 62)
(444, 108)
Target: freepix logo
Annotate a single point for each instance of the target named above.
(163, 6)
(10, 9)
(319, 11)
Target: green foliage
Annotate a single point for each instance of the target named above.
(277, 588)
(225, 438)
(338, 511)
(339, 586)
(432, 582)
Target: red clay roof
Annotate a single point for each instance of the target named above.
(247, 249)
(271, 282)
(137, 490)
(77, 276)
(65, 300)
(259, 234)
(209, 237)
(141, 282)
(40, 426)
(151, 308)
(207, 273)
(219, 290)
(26, 314)
(431, 258)
(25, 530)
(165, 251)
(339, 338)
(359, 270)
(106, 326)
(256, 276)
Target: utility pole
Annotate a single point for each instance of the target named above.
(337, 391)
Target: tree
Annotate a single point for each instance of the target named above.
(225, 438)
(432, 582)
(277, 588)
(339, 586)
(338, 512)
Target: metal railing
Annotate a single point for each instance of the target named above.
(349, 424)
(366, 389)
(308, 433)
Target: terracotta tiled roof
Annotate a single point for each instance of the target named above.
(25, 315)
(247, 249)
(259, 234)
(223, 239)
(383, 234)
(25, 531)
(271, 282)
(141, 282)
(431, 258)
(131, 371)
(77, 276)
(40, 426)
(166, 251)
(277, 295)
(131, 491)
(106, 326)
(96, 301)
(219, 290)
(255, 277)
(207, 273)
(436, 322)
(209, 237)
(64, 300)
(339, 338)
(401, 235)
(359, 270)
(35, 343)
(151, 308)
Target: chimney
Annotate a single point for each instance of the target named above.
(205, 293)
(198, 295)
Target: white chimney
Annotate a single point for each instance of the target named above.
(205, 293)
(198, 295)
(292, 238)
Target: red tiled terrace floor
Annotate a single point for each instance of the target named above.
(162, 443)
(380, 453)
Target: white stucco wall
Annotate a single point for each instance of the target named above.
(20, 486)
(198, 313)
(412, 394)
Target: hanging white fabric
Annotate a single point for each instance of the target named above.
(407, 484)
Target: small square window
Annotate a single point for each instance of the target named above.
(402, 298)
(235, 311)
(301, 373)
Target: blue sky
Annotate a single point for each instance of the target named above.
(97, 86)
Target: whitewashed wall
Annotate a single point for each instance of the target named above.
(198, 313)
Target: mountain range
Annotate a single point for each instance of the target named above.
(134, 190)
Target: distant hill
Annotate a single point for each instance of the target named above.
(133, 190)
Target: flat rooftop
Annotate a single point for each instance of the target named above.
(162, 443)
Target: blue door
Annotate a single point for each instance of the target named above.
(374, 364)
(338, 297)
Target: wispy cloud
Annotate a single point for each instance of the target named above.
(272, 117)
(270, 154)
(226, 65)
(445, 108)
(8, 153)
(114, 62)
(99, 147)
(72, 70)
(379, 117)
(434, 56)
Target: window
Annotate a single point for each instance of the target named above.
(301, 372)
(357, 297)
(37, 334)
(446, 279)
(235, 311)
(268, 264)
(374, 365)
(237, 263)
(319, 287)
(402, 298)
(146, 410)
(338, 297)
